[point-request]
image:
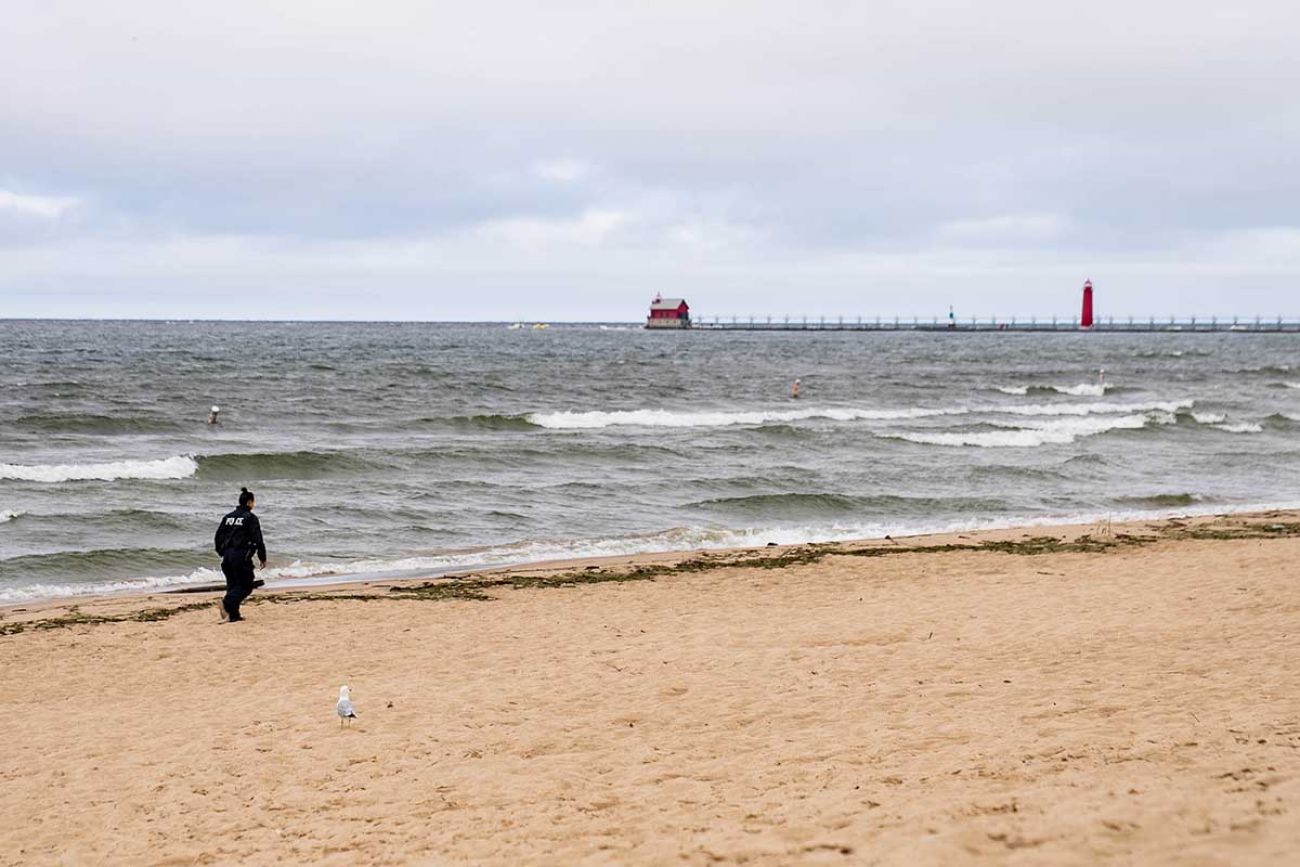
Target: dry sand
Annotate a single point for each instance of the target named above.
(1117, 703)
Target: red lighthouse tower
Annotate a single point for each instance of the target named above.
(1085, 320)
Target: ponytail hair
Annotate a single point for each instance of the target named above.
(245, 496)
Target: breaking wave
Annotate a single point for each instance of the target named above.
(7, 515)
(220, 467)
(31, 592)
(1081, 409)
(179, 467)
(1083, 389)
(1089, 389)
(112, 563)
(1219, 421)
(671, 418)
(1047, 433)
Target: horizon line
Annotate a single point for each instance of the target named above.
(756, 317)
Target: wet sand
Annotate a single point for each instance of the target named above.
(995, 698)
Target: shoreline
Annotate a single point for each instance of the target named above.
(1090, 695)
(160, 604)
(315, 582)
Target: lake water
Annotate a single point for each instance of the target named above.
(382, 449)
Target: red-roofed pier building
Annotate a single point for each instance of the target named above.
(668, 313)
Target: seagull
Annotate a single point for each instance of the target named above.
(344, 708)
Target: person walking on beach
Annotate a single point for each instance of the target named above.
(239, 537)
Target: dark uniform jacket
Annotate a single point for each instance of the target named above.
(239, 536)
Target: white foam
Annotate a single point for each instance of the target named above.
(721, 418)
(678, 539)
(1292, 384)
(33, 592)
(670, 418)
(1059, 431)
(1077, 409)
(9, 515)
(1083, 389)
(1219, 421)
(1091, 389)
(179, 467)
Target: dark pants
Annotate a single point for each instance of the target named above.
(239, 583)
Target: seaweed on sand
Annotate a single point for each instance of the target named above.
(78, 618)
(481, 588)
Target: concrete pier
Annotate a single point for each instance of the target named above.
(1125, 325)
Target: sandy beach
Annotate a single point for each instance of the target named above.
(1070, 695)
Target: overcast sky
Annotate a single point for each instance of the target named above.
(567, 160)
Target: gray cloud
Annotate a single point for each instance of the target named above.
(329, 159)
